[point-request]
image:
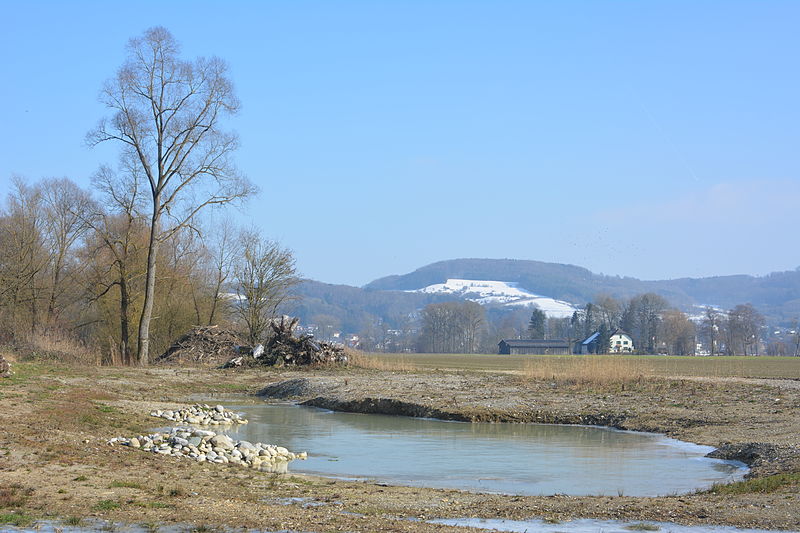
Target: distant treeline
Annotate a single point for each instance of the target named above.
(654, 325)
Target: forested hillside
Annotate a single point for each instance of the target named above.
(776, 295)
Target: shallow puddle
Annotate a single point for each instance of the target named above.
(527, 459)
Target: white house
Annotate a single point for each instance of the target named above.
(620, 342)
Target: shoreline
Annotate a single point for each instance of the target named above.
(770, 458)
(57, 420)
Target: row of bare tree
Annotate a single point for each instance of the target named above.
(654, 325)
(133, 260)
(73, 267)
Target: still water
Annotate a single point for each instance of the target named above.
(527, 459)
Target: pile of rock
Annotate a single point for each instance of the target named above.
(201, 414)
(207, 446)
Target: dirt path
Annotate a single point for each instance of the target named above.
(56, 421)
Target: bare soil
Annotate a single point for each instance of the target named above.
(55, 421)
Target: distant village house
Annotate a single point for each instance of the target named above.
(619, 342)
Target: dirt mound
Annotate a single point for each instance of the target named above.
(297, 387)
(205, 345)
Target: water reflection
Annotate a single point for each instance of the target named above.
(511, 458)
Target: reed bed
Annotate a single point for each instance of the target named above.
(582, 370)
(56, 345)
(373, 362)
(664, 366)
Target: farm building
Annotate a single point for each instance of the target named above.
(587, 345)
(619, 342)
(534, 347)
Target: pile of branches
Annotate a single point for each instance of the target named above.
(5, 367)
(205, 345)
(284, 348)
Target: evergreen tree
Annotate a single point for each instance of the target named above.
(603, 339)
(536, 325)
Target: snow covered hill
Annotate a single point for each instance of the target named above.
(500, 292)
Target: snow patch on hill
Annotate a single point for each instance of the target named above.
(500, 292)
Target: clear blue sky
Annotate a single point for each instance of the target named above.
(650, 139)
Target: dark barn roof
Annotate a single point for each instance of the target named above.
(535, 343)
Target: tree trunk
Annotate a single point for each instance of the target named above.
(143, 348)
(124, 327)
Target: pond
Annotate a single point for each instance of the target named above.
(530, 459)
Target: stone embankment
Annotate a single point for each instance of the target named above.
(207, 446)
(201, 414)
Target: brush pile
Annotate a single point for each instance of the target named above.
(5, 367)
(205, 345)
(284, 348)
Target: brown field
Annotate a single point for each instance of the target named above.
(647, 365)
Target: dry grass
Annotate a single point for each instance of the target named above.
(372, 362)
(14, 496)
(588, 370)
(658, 365)
(58, 346)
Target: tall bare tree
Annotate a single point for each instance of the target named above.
(167, 116)
(23, 257)
(65, 223)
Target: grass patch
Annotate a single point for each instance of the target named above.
(74, 521)
(107, 409)
(16, 519)
(80, 478)
(159, 505)
(125, 485)
(641, 526)
(106, 505)
(757, 485)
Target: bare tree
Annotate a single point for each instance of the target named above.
(677, 332)
(223, 248)
(115, 248)
(167, 116)
(452, 327)
(65, 223)
(23, 257)
(744, 329)
(608, 309)
(711, 328)
(265, 274)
